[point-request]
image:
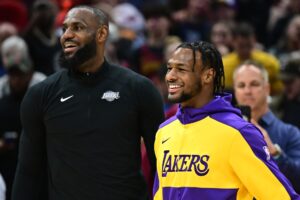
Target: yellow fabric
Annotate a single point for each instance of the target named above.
(226, 167)
(272, 65)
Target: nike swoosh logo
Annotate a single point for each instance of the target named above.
(165, 140)
(65, 99)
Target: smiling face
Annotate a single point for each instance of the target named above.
(185, 85)
(79, 28)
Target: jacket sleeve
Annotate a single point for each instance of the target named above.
(30, 178)
(258, 172)
(289, 161)
(151, 115)
(157, 189)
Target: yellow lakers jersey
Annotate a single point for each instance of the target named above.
(211, 153)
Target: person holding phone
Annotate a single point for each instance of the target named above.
(252, 88)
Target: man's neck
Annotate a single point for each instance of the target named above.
(259, 112)
(92, 65)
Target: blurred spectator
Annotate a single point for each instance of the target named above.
(256, 13)
(283, 140)
(193, 23)
(41, 38)
(2, 188)
(13, 86)
(130, 21)
(14, 12)
(290, 105)
(112, 3)
(278, 9)
(130, 25)
(244, 44)
(171, 43)
(148, 59)
(290, 10)
(221, 36)
(6, 29)
(65, 5)
(224, 10)
(289, 41)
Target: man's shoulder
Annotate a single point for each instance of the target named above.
(123, 70)
(168, 121)
(230, 58)
(120, 73)
(265, 58)
(235, 122)
(282, 127)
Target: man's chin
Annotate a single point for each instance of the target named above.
(174, 99)
(69, 55)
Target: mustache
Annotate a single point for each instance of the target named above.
(71, 41)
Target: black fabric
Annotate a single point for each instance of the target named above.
(10, 129)
(89, 144)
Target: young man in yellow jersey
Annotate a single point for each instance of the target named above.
(207, 151)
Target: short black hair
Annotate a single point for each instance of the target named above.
(243, 29)
(155, 10)
(211, 58)
(101, 16)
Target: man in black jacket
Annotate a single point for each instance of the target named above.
(82, 126)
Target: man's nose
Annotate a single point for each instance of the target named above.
(247, 89)
(171, 75)
(68, 33)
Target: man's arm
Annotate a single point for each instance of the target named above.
(289, 158)
(30, 179)
(253, 164)
(151, 115)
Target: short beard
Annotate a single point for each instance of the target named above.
(187, 96)
(182, 98)
(82, 55)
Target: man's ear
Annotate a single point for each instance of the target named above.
(102, 34)
(208, 75)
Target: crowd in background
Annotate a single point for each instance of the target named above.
(143, 33)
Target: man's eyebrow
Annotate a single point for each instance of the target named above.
(81, 22)
(176, 63)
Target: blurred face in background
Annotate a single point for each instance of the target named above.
(250, 87)
(199, 7)
(221, 35)
(292, 88)
(243, 46)
(158, 26)
(293, 30)
(18, 81)
(44, 16)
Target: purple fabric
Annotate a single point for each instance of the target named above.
(256, 141)
(192, 193)
(220, 109)
(220, 104)
(168, 121)
(155, 184)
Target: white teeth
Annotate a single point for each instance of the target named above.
(174, 86)
(69, 44)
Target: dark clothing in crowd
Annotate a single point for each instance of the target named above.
(10, 129)
(44, 52)
(290, 111)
